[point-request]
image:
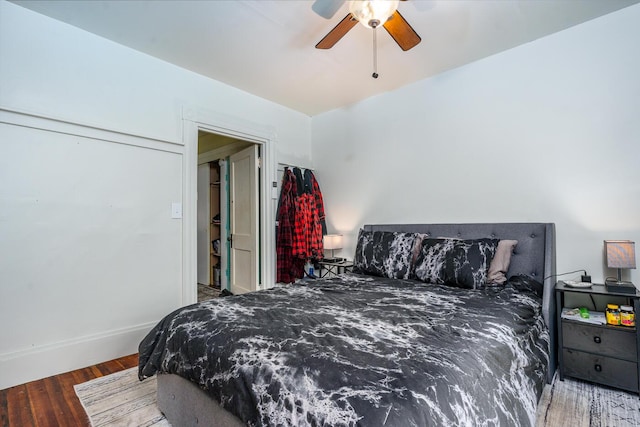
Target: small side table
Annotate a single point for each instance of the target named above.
(602, 354)
(335, 268)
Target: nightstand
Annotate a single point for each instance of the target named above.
(335, 267)
(602, 354)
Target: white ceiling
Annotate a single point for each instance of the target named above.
(267, 47)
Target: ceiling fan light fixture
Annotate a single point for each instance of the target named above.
(372, 13)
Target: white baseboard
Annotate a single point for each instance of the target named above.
(40, 362)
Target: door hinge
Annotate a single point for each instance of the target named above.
(259, 162)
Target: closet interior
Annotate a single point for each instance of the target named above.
(214, 224)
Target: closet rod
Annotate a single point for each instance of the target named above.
(281, 167)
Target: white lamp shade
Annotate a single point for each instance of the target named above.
(620, 253)
(332, 241)
(366, 11)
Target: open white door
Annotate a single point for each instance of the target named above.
(204, 219)
(243, 221)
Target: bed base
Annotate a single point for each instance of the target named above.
(184, 404)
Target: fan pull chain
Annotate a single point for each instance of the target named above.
(375, 54)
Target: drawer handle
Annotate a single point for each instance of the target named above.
(598, 368)
(597, 340)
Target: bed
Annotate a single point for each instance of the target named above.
(371, 349)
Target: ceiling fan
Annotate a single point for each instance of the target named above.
(371, 13)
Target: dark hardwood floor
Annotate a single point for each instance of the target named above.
(52, 401)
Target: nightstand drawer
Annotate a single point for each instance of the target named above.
(604, 370)
(600, 340)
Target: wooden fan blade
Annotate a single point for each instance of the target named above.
(337, 33)
(401, 31)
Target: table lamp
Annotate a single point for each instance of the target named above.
(620, 254)
(332, 242)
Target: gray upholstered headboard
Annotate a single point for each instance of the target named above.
(534, 256)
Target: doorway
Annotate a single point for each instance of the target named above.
(195, 120)
(228, 215)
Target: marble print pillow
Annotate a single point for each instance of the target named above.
(454, 262)
(469, 263)
(384, 253)
(430, 263)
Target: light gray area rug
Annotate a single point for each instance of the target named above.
(576, 403)
(121, 400)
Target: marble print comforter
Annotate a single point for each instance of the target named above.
(361, 351)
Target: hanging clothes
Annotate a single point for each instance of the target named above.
(314, 188)
(289, 268)
(307, 237)
(301, 224)
(314, 217)
(302, 218)
(299, 182)
(303, 227)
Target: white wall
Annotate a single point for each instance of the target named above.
(548, 131)
(91, 158)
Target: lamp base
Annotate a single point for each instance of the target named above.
(623, 287)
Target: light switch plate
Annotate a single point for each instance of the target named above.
(176, 210)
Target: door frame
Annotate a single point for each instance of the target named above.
(193, 120)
